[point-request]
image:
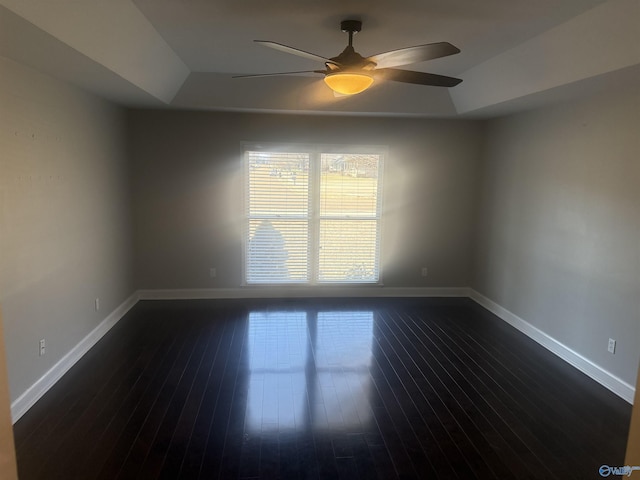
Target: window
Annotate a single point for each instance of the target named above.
(312, 215)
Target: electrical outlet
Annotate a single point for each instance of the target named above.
(97, 304)
(212, 272)
(424, 271)
(42, 347)
(612, 346)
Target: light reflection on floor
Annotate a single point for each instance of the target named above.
(308, 371)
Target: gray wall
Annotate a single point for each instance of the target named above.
(548, 201)
(65, 235)
(558, 238)
(188, 192)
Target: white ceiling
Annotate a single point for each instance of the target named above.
(516, 54)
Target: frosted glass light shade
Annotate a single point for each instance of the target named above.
(348, 83)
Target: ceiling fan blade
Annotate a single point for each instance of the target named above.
(278, 73)
(294, 51)
(419, 78)
(419, 53)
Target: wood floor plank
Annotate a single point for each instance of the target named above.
(320, 389)
(156, 391)
(149, 449)
(567, 418)
(478, 388)
(400, 382)
(196, 445)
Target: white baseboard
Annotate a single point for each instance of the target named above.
(586, 366)
(25, 401)
(301, 292)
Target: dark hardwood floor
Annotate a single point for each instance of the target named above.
(344, 389)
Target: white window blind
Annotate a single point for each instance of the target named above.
(349, 218)
(278, 216)
(312, 217)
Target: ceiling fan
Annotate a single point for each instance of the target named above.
(350, 73)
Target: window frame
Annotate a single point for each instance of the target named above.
(314, 218)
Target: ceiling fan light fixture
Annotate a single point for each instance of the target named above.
(348, 83)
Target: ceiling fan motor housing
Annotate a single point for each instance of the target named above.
(349, 59)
